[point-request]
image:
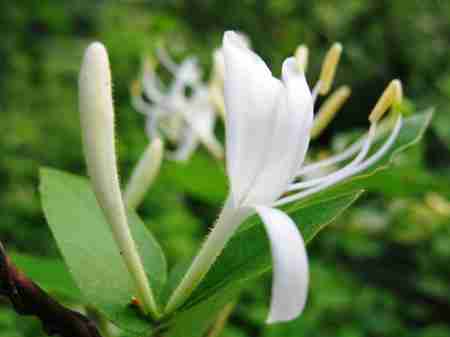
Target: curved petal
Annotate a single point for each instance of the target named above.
(290, 138)
(251, 94)
(290, 265)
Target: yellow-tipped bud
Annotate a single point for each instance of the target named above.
(329, 67)
(301, 57)
(329, 109)
(144, 174)
(391, 96)
(97, 124)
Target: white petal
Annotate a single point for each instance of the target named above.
(290, 265)
(290, 138)
(251, 94)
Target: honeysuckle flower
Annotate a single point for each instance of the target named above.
(268, 129)
(97, 124)
(184, 119)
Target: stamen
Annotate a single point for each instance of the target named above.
(329, 109)
(329, 67)
(301, 57)
(346, 154)
(363, 166)
(360, 157)
(315, 92)
(392, 95)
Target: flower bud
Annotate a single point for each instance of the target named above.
(97, 124)
(144, 174)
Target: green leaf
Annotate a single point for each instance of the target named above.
(150, 251)
(50, 274)
(209, 186)
(87, 245)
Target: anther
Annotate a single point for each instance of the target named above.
(329, 67)
(329, 109)
(391, 96)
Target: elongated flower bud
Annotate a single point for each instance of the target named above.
(144, 174)
(329, 109)
(392, 95)
(97, 124)
(301, 57)
(329, 67)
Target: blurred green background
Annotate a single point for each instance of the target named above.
(383, 269)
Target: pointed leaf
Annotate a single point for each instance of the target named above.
(86, 243)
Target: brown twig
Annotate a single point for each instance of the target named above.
(28, 298)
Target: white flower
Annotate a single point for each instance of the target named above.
(268, 127)
(186, 120)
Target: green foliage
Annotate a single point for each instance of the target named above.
(381, 269)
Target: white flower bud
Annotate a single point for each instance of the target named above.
(144, 174)
(97, 124)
